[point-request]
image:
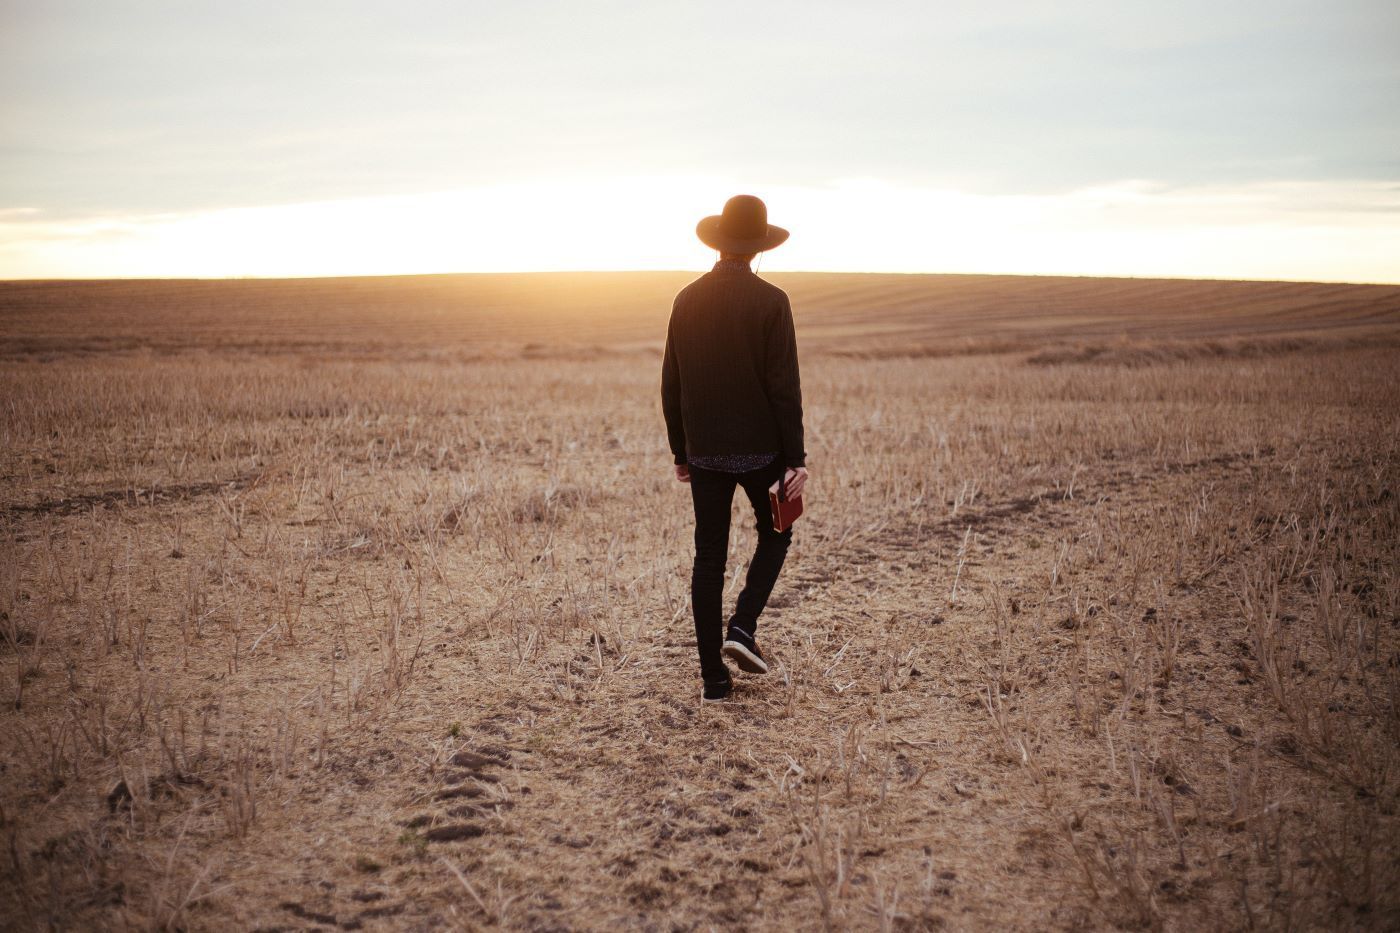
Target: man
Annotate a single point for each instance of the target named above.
(733, 404)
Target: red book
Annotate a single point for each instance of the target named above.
(785, 509)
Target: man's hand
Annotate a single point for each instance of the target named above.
(683, 472)
(796, 482)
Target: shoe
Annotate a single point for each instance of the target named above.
(717, 691)
(743, 650)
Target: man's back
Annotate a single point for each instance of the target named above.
(730, 381)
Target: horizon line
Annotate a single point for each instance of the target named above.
(695, 271)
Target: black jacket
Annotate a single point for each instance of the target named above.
(729, 380)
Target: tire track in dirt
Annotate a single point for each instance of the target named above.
(463, 804)
(648, 795)
(462, 808)
(1014, 514)
(132, 497)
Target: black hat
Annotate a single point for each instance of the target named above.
(742, 228)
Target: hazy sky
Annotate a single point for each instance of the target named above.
(1122, 137)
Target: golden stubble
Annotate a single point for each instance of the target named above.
(1075, 633)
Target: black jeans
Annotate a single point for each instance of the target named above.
(713, 494)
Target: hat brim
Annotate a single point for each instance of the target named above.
(709, 233)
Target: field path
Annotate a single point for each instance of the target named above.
(866, 767)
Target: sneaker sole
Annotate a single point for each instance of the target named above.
(746, 659)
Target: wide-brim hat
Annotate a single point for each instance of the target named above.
(742, 228)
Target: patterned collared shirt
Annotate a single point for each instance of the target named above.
(733, 463)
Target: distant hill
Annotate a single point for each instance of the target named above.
(544, 313)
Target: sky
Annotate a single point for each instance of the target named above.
(1229, 139)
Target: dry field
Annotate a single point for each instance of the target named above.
(362, 604)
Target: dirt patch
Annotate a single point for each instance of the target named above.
(1155, 353)
(134, 498)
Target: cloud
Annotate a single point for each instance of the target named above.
(144, 107)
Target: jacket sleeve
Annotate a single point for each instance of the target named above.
(784, 385)
(671, 399)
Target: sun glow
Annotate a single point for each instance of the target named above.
(1318, 231)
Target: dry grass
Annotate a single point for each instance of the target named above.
(363, 604)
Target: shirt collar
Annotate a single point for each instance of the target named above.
(731, 265)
